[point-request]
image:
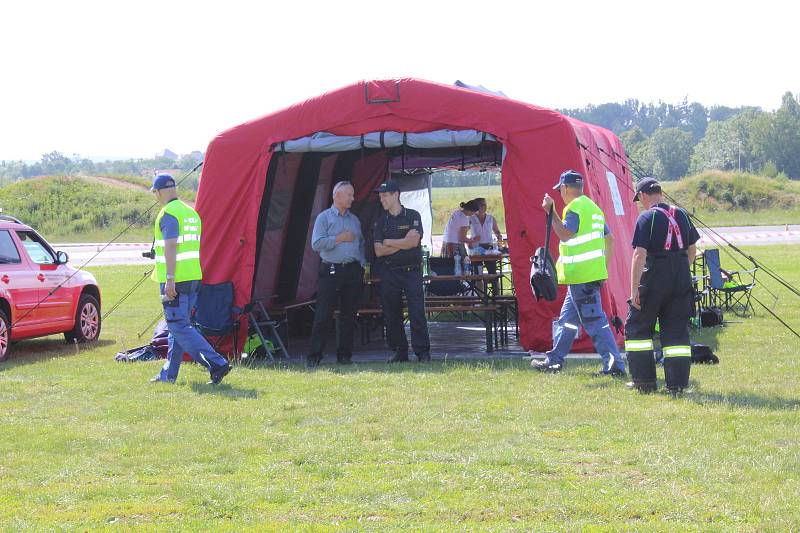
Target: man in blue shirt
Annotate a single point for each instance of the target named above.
(179, 295)
(338, 238)
(582, 305)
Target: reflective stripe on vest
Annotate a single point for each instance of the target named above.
(638, 345)
(582, 258)
(677, 351)
(187, 257)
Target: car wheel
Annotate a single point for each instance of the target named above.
(5, 336)
(87, 321)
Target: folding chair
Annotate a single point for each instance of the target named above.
(215, 314)
(261, 321)
(727, 288)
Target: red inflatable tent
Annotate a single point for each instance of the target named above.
(258, 200)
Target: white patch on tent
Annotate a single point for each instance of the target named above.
(420, 201)
(615, 197)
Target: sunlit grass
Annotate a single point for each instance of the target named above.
(87, 443)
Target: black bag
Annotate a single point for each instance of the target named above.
(710, 316)
(702, 354)
(543, 272)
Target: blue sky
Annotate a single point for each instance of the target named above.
(106, 78)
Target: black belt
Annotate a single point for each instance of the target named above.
(403, 268)
(326, 263)
(669, 254)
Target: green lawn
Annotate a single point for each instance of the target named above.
(88, 444)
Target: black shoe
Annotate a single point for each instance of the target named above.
(398, 358)
(216, 377)
(543, 365)
(675, 391)
(644, 387)
(344, 360)
(614, 373)
(313, 361)
(424, 358)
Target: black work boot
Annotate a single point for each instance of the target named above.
(642, 366)
(676, 373)
(313, 360)
(398, 357)
(546, 366)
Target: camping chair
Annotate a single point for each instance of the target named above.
(260, 322)
(444, 266)
(215, 314)
(727, 288)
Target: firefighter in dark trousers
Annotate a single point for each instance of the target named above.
(661, 290)
(397, 236)
(338, 238)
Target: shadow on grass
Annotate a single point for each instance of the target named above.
(33, 351)
(746, 400)
(377, 366)
(225, 390)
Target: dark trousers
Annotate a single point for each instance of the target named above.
(396, 281)
(665, 294)
(337, 285)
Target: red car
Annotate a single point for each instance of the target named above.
(39, 293)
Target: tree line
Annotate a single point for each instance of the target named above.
(670, 141)
(57, 164)
(665, 140)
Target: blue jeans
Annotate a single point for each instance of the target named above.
(582, 306)
(183, 337)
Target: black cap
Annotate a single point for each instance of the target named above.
(569, 177)
(647, 185)
(388, 186)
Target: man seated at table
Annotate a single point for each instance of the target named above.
(398, 253)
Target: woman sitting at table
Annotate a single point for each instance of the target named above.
(483, 225)
(455, 232)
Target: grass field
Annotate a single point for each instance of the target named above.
(88, 444)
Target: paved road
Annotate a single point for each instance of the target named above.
(131, 253)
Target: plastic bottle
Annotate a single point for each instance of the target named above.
(367, 273)
(457, 264)
(426, 254)
(467, 265)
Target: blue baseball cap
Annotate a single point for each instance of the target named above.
(162, 181)
(569, 177)
(388, 186)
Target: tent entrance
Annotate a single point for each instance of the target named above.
(300, 184)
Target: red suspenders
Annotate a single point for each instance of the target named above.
(673, 228)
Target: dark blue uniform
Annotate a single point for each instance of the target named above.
(400, 274)
(665, 295)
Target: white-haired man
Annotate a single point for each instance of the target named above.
(338, 238)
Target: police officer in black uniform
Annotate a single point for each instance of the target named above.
(397, 236)
(661, 289)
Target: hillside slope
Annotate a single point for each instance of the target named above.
(81, 209)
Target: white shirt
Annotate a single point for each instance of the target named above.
(484, 230)
(452, 230)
